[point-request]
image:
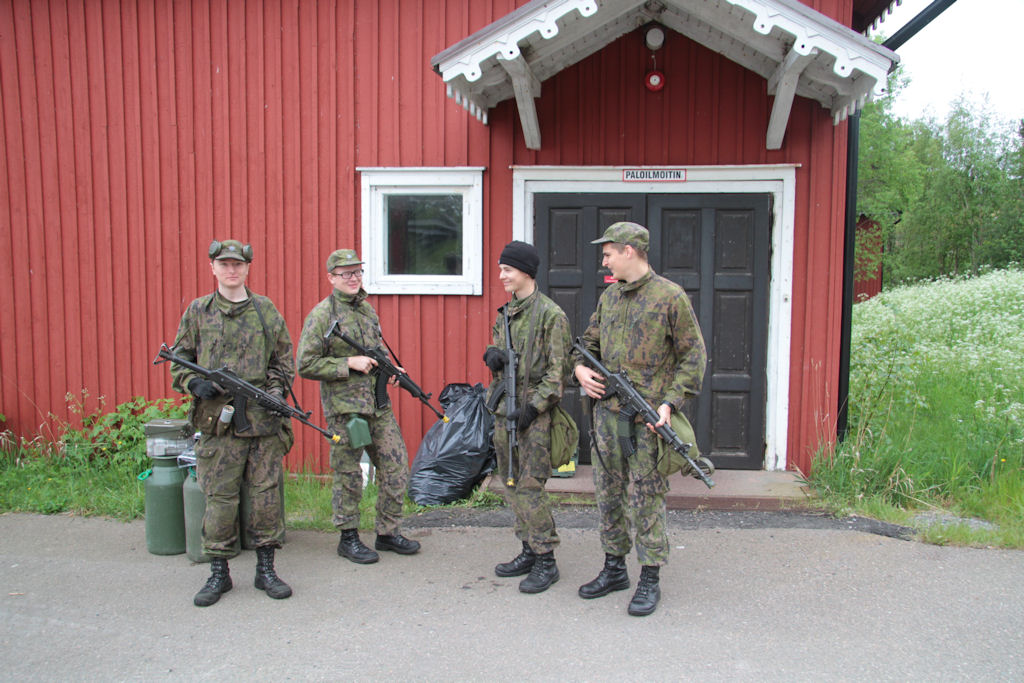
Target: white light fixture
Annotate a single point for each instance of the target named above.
(655, 38)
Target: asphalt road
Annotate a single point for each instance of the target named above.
(778, 597)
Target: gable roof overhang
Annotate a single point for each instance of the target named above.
(798, 50)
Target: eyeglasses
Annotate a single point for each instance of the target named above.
(349, 275)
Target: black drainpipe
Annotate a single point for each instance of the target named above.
(908, 31)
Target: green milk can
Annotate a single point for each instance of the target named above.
(195, 508)
(165, 507)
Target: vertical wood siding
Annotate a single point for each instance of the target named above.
(133, 133)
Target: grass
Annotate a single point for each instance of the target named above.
(308, 503)
(936, 418)
(92, 469)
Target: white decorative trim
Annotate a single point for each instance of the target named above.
(777, 180)
(506, 43)
(377, 183)
(810, 33)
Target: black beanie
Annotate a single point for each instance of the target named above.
(522, 256)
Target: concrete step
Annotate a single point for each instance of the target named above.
(733, 490)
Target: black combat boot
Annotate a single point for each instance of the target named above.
(647, 592)
(520, 564)
(613, 577)
(352, 547)
(398, 543)
(218, 583)
(266, 577)
(542, 575)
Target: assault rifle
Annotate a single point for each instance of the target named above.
(631, 404)
(243, 392)
(385, 371)
(507, 386)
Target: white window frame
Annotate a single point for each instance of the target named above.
(378, 183)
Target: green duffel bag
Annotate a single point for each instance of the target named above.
(565, 437)
(669, 461)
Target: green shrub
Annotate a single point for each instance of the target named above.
(936, 413)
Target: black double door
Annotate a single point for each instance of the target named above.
(717, 247)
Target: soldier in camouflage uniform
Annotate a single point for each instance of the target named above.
(537, 392)
(347, 392)
(243, 332)
(644, 326)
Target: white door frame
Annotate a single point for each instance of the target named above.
(776, 180)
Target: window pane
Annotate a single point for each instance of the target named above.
(424, 234)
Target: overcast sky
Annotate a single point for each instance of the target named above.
(973, 47)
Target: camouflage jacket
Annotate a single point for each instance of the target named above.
(217, 333)
(647, 330)
(550, 356)
(325, 360)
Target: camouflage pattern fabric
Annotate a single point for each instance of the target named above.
(549, 360)
(528, 499)
(217, 333)
(390, 458)
(223, 465)
(647, 330)
(550, 356)
(643, 505)
(344, 394)
(325, 360)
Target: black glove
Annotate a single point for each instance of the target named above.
(495, 359)
(203, 388)
(526, 416)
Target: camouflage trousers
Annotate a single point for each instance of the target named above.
(641, 507)
(223, 465)
(531, 467)
(391, 462)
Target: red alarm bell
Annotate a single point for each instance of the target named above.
(654, 81)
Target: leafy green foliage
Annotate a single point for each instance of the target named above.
(936, 413)
(948, 196)
(89, 469)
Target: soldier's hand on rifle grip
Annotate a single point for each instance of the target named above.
(396, 379)
(590, 381)
(363, 364)
(494, 359)
(203, 388)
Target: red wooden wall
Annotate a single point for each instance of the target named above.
(134, 132)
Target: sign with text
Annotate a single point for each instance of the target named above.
(654, 175)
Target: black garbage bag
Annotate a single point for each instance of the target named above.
(455, 456)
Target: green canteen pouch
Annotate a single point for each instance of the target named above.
(358, 432)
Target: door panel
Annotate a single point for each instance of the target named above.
(716, 246)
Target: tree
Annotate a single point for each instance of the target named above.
(949, 197)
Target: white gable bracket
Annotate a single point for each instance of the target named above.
(783, 84)
(526, 87)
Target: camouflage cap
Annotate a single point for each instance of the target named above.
(633, 234)
(342, 257)
(230, 249)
